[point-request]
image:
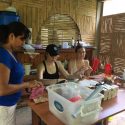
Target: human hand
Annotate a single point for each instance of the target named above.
(80, 72)
(78, 75)
(34, 84)
(88, 72)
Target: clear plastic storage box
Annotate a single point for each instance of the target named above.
(80, 112)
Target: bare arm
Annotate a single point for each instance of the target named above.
(62, 70)
(70, 66)
(5, 88)
(65, 73)
(88, 68)
(40, 71)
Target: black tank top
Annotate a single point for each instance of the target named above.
(46, 75)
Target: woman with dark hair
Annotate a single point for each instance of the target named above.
(50, 69)
(79, 63)
(12, 37)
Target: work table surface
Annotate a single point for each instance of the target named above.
(110, 107)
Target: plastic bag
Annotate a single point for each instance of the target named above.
(37, 92)
(71, 93)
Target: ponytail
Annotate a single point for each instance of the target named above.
(3, 34)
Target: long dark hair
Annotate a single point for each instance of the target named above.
(17, 28)
(3, 34)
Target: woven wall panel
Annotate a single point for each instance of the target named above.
(6, 1)
(86, 29)
(34, 13)
(32, 3)
(58, 29)
(86, 19)
(119, 23)
(112, 40)
(105, 43)
(65, 6)
(118, 45)
(31, 16)
(49, 8)
(73, 9)
(3, 5)
(119, 65)
(89, 38)
(87, 7)
(106, 25)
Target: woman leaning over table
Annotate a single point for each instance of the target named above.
(50, 69)
(12, 37)
(79, 63)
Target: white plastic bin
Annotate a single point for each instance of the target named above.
(64, 109)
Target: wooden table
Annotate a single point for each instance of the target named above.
(110, 107)
(113, 106)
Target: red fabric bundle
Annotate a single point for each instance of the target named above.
(74, 99)
(95, 64)
(108, 69)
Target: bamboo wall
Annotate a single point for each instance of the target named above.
(35, 13)
(112, 41)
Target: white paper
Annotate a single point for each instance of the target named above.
(87, 83)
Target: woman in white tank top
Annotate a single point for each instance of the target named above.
(79, 63)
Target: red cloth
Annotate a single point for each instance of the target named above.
(74, 99)
(108, 69)
(95, 64)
